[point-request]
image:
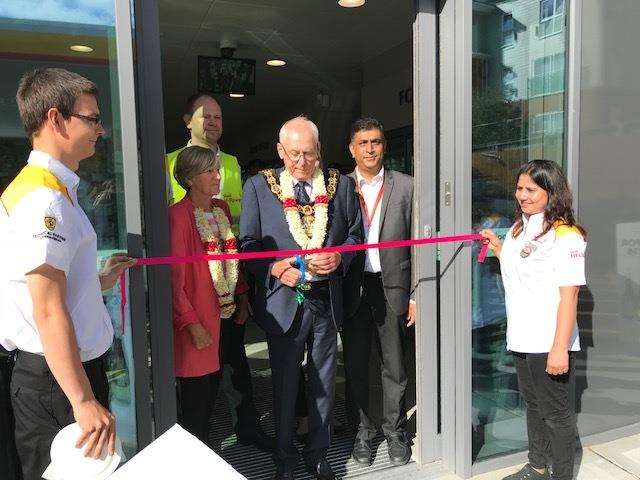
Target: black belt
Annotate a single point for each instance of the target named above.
(319, 283)
(372, 275)
(37, 362)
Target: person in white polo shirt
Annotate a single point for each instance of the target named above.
(542, 264)
(51, 304)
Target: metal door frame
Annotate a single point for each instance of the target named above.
(428, 447)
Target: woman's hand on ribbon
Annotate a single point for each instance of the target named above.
(284, 271)
(493, 240)
(325, 263)
(200, 337)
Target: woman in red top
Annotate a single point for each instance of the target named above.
(203, 292)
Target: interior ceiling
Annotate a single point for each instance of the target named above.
(325, 46)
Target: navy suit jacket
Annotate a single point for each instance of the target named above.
(263, 227)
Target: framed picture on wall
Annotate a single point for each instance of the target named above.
(227, 75)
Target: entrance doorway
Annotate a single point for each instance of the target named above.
(336, 65)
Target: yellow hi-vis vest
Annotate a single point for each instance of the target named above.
(230, 179)
(29, 179)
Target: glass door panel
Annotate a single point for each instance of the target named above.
(79, 36)
(518, 98)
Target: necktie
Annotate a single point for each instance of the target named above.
(302, 197)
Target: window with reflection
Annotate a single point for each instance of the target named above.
(518, 97)
(78, 36)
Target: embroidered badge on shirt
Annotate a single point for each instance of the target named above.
(50, 223)
(528, 249)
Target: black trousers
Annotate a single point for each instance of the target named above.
(234, 355)
(314, 328)
(41, 408)
(551, 421)
(196, 399)
(9, 464)
(375, 318)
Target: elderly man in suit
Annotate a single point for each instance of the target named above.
(300, 207)
(378, 295)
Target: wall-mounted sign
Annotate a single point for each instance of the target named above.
(227, 75)
(405, 97)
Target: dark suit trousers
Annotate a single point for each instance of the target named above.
(375, 318)
(234, 355)
(41, 408)
(314, 328)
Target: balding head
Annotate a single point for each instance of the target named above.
(295, 124)
(204, 118)
(299, 147)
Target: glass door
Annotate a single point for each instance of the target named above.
(502, 103)
(517, 114)
(94, 40)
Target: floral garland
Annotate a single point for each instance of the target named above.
(314, 236)
(225, 285)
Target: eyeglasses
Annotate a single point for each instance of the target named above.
(95, 121)
(296, 156)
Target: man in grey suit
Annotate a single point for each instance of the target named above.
(300, 207)
(378, 295)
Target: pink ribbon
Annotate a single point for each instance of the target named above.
(149, 261)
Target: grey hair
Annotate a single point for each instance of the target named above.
(284, 130)
(191, 162)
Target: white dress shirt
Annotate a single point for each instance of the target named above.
(68, 243)
(369, 191)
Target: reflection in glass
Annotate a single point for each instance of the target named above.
(608, 374)
(39, 38)
(518, 82)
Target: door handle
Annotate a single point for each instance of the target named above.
(447, 194)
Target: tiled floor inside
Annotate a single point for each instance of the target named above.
(257, 465)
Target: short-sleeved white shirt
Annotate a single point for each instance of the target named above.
(532, 273)
(71, 246)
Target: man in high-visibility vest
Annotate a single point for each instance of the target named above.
(203, 118)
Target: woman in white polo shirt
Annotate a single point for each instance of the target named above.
(542, 266)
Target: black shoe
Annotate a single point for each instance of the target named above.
(528, 473)
(322, 470)
(399, 448)
(362, 451)
(282, 474)
(257, 438)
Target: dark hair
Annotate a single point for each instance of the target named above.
(191, 101)
(559, 210)
(364, 124)
(46, 88)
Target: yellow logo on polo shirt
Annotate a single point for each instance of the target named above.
(50, 223)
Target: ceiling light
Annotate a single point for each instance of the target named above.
(236, 95)
(276, 63)
(81, 48)
(351, 3)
